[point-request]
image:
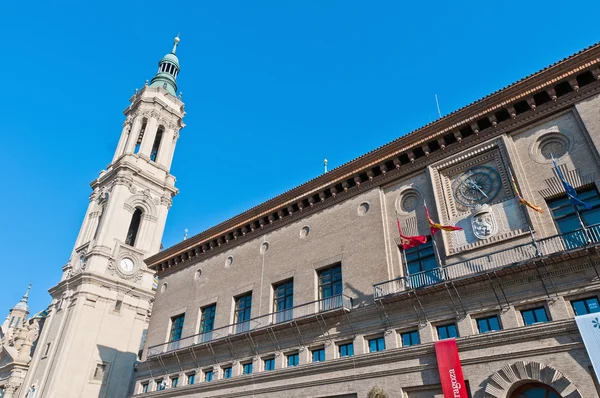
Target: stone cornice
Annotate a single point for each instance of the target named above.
(138, 98)
(121, 164)
(545, 93)
(100, 280)
(395, 355)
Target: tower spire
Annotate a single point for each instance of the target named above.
(168, 69)
(175, 44)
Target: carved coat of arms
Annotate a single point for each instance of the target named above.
(483, 222)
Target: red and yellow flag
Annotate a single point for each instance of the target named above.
(410, 241)
(522, 200)
(437, 226)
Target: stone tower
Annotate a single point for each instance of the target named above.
(100, 308)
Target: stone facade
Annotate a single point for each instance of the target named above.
(495, 266)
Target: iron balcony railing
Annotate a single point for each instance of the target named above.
(337, 302)
(481, 264)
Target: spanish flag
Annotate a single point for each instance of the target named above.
(522, 200)
(437, 227)
(409, 241)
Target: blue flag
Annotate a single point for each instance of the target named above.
(570, 191)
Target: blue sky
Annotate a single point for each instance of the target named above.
(271, 88)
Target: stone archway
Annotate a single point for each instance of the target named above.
(501, 382)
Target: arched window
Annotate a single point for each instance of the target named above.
(534, 390)
(134, 226)
(156, 145)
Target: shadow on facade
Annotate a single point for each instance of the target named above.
(359, 298)
(118, 378)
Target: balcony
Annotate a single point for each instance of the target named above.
(493, 261)
(328, 305)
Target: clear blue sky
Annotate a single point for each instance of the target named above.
(271, 88)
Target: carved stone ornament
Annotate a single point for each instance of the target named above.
(115, 270)
(483, 222)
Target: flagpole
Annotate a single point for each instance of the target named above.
(538, 253)
(581, 223)
(435, 247)
(402, 251)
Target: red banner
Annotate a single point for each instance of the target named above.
(451, 375)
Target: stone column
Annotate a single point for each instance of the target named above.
(149, 136)
(165, 150)
(169, 160)
(124, 136)
(133, 134)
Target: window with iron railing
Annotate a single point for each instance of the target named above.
(207, 322)
(330, 286)
(243, 308)
(283, 301)
(176, 331)
(565, 216)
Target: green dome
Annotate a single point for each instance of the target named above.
(168, 69)
(172, 58)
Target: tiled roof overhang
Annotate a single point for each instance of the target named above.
(533, 97)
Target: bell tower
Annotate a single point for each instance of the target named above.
(100, 308)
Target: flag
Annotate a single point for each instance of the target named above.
(410, 241)
(436, 226)
(569, 190)
(522, 200)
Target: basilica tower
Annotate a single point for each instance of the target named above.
(100, 308)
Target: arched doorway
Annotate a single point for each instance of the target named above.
(535, 390)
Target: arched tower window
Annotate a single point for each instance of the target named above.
(140, 136)
(134, 227)
(156, 145)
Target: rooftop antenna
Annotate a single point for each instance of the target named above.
(185, 232)
(438, 106)
(325, 165)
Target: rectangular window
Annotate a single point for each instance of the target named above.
(586, 306)
(174, 382)
(247, 368)
(421, 258)
(346, 350)
(330, 287)
(447, 331)
(283, 301)
(318, 355)
(376, 344)
(145, 387)
(227, 372)
(488, 324)
(207, 322)
(293, 359)
(534, 315)
(208, 375)
(176, 327)
(410, 338)
(243, 307)
(160, 385)
(191, 378)
(564, 214)
(270, 364)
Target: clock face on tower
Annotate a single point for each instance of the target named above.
(476, 186)
(126, 265)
